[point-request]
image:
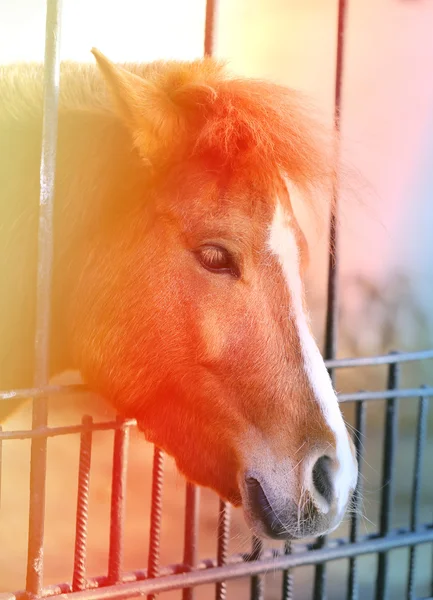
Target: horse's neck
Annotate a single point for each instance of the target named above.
(92, 150)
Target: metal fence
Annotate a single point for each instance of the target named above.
(188, 574)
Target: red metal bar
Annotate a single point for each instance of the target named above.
(79, 574)
(118, 497)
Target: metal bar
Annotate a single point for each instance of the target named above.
(223, 545)
(118, 495)
(381, 359)
(1, 465)
(304, 549)
(257, 581)
(80, 553)
(209, 28)
(35, 555)
(331, 325)
(388, 468)
(288, 582)
(47, 432)
(360, 424)
(108, 425)
(331, 329)
(155, 515)
(421, 432)
(389, 394)
(338, 363)
(191, 532)
(246, 569)
(41, 392)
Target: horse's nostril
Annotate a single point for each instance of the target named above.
(263, 509)
(322, 478)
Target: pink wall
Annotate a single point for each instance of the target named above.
(387, 121)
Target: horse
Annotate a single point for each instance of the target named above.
(178, 273)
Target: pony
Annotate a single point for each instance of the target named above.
(178, 273)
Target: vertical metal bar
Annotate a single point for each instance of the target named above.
(156, 515)
(360, 424)
(288, 583)
(191, 532)
(80, 554)
(118, 497)
(331, 328)
(43, 294)
(223, 545)
(209, 28)
(1, 465)
(257, 581)
(421, 431)
(331, 325)
(388, 468)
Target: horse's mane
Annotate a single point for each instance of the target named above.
(195, 107)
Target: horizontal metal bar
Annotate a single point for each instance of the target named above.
(383, 359)
(168, 570)
(48, 390)
(25, 434)
(164, 584)
(386, 394)
(341, 363)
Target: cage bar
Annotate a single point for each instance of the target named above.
(82, 519)
(223, 545)
(421, 431)
(155, 514)
(332, 364)
(118, 496)
(257, 581)
(288, 581)
(209, 28)
(331, 325)
(1, 466)
(388, 468)
(35, 555)
(191, 532)
(360, 424)
(246, 568)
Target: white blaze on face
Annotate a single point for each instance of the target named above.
(282, 242)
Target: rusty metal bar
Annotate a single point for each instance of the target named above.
(82, 519)
(191, 532)
(155, 515)
(118, 497)
(223, 545)
(35, 555)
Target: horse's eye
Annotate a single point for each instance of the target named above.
(217, 260)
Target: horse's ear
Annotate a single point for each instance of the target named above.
(145, 108)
